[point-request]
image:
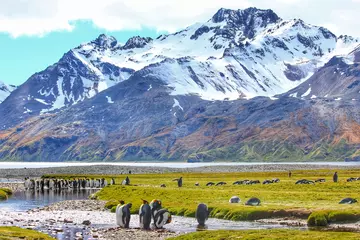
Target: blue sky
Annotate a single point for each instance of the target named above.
(36, 33)
(23, 56)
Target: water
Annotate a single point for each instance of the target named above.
(25, 200)
(7, 165)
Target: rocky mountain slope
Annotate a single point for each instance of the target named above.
(5, 91)
(199, 95)
(235, 54)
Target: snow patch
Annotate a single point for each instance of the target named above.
(306, 93)
(109, 99)
(177, 104)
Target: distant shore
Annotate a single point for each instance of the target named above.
(20, 173)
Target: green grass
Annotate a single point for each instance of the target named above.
(5, 193)
(268, 235)
(284, 199)
(7, 233)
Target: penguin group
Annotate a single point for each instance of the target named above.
(246, 182)
(148, 212)
(63, 184)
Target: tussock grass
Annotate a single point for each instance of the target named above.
(5, 193)
(7, 233)
(284, 199)
(274, 234)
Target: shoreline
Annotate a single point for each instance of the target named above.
(89, 218)
(118, 170)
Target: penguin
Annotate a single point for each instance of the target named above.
(145, 215)
(155, 205)
(179, 181)
(320, 180)
(238, 182)
(267, 182)
(197, 184)
(348, 201)
(123, 214)
(161, 218)
(163, 185)
(210, 184)
(255, 182)
(202, 214)
(276, 180)
(335, 177)
(220, 184)
(127, 180)
(253, 202)
(234, 199)
(112, 182)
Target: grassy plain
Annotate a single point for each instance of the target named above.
(268, 235)
(318, 203)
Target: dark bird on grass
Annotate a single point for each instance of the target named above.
(351, 179)
(267, 182)
(348, 201)
(304, 181)
(253, 202)
(320, 180)
(234, 199)
(210, 184)
(163, 185)
(289, 174)
(255, 182)
(202, 214)
(276, 180)
(197, 184)
(221, 183)
(238, 182)
(335, 177)
(179, 181)
(127, 180)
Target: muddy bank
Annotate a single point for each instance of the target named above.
(117, 170)
(14, 186)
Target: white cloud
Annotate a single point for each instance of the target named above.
(38, 17)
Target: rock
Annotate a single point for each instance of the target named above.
(86, 222)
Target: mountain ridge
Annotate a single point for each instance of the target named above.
(223, 89)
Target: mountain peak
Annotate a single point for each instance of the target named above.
(105, 41)
(245, 16)
(137, 42)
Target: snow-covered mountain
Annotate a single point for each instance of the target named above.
(5, 91)
(338, 79)
(235, 54)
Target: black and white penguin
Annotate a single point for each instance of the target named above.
(220, 184)
(210, 184)
(127, 180)
(253, 202)
(320, 180)
(179, 181)
(145, 215)
(234, 199)
(112, 182)
(202, 214)
(238, 182)
(123, 214)
(348, 201)
(161, 218)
